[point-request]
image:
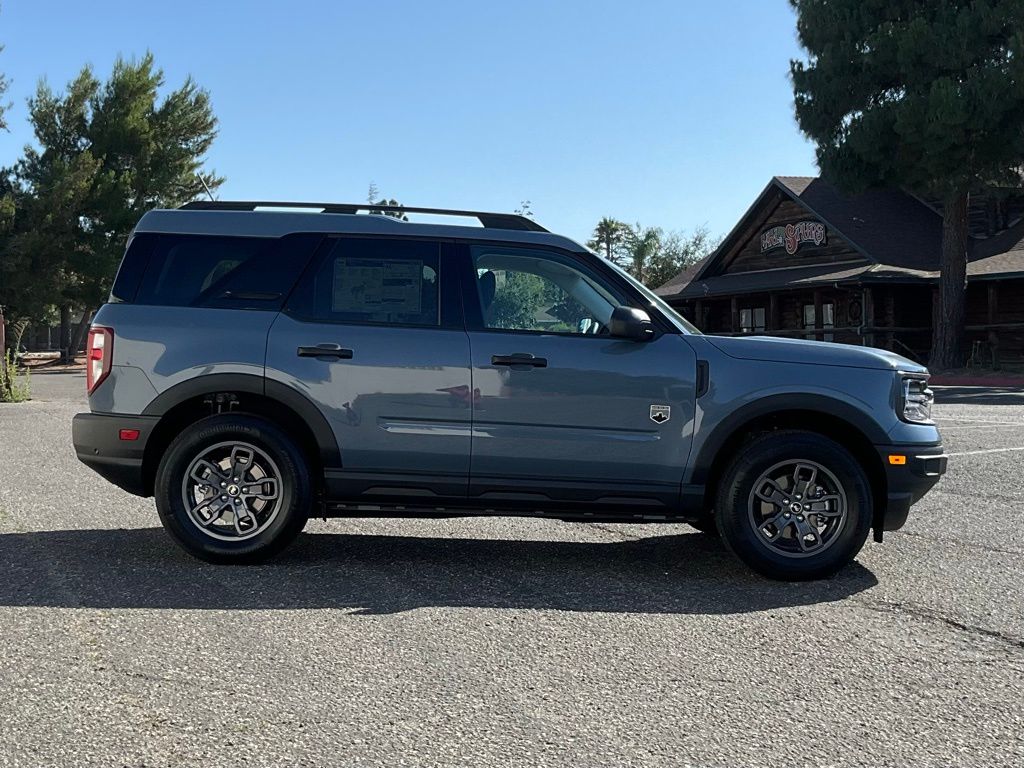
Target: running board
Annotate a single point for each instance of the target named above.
(361, 510)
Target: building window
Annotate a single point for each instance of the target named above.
(828, 320)
(752, 320)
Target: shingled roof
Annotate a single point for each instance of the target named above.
(887, 225)
(898, 234)
(681, 280)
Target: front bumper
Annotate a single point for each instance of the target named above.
(907, 482)
(97, 442)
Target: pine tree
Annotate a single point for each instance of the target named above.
(927, 95)
(104, 154)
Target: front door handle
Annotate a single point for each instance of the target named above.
(520, 359)
(326, 350)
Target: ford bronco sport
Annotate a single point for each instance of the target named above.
(258, 364)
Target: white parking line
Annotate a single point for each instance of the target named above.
(947, 427)
(949, 419)
(985, 450)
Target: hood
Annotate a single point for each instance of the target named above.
(779, 350)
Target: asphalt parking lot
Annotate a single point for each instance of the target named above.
(502, 641)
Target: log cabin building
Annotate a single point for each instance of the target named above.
(807, 261)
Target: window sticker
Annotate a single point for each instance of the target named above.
(377, 285)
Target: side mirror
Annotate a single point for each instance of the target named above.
(630, 323)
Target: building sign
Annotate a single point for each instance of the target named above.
(792, 236)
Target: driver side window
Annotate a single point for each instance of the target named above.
(530, 290)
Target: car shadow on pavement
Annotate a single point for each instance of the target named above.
(141, 568)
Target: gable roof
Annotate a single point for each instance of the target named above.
(895, 232)
(886, 225)
(681, 280)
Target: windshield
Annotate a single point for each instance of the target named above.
(656, 301)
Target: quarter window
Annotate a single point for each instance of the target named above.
(213, 271)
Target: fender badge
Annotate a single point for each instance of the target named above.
(661, 413)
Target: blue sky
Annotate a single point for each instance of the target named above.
(670, 113)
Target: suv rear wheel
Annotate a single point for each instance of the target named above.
(794, 505)
(233, 488)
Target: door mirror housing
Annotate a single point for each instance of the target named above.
(630, 323)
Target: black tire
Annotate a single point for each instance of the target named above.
(283, 522)
(737, 507)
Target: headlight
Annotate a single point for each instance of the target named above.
(917, 401)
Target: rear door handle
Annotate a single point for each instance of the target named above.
(520, 359)
(326, 350)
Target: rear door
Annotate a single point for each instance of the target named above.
(373, 335)
(563, 413)
(188, 306)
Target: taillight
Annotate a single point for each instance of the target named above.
(100, 351)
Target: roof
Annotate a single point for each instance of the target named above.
(898, 236)
(999, 255)
(887, 225)
(800, 277)
(275, 223)
(1000, 265)
(674, 285)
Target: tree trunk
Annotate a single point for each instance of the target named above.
(948, 333)
(79, 334)
(4, 386)
(65, 333)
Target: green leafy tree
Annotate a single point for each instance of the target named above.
(50, 189)
(151, 153)
(6, 222)
(924, 94)
(4, 83)
(392, 203)
(608, 238)
(654, 256)
(520, 296)
(641, 246)
(373, 197)
(105, 153)
(677, 252)
(564, 307)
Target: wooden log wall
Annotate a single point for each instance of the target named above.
(749, 257)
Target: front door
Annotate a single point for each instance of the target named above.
(563, 413)
(373, 335)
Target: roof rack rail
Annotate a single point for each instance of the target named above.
(488, 220)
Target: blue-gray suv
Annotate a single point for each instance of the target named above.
(259, 364)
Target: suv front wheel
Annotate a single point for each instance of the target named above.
(794, 505)
(233, 488)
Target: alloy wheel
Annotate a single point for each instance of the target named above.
(232, 491)
(798, 508)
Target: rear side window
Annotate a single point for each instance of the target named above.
(372, 281)
(225, 272)
(133, 267)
